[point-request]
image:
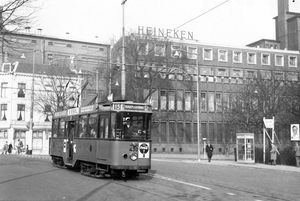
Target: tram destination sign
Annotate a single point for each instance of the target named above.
(134, 107)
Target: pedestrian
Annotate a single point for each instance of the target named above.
(10, 148)
(209, 151)
(20, 146)
(297, 154)
(274, 151)
(5, 148)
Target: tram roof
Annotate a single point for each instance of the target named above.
(118, 106)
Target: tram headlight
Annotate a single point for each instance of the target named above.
(133, 156)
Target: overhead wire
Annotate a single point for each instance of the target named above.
(202, 14)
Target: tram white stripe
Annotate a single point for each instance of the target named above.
(177, 181)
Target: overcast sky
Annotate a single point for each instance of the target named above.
(235, 22)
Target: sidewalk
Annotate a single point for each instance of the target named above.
(220, 160)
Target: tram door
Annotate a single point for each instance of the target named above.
(70, 136)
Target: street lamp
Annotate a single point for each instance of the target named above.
(29, 143)
(198, 98)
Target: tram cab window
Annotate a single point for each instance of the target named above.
(82, 129)
(134, 127)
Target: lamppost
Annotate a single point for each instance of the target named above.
(198, 98)
(29, 143)
(123, 78)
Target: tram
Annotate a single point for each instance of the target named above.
(111, 139)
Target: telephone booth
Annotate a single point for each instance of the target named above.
(245, 147)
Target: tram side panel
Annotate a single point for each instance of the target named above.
(57, 147)
(85, 150)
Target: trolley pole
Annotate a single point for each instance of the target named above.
(123, 81)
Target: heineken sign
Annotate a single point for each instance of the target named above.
(169, 33)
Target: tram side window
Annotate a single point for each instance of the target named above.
(83, 126)
(61, 128)
(104, 127)
(93, 130)
(55, 127)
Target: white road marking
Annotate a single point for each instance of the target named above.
(230, 194)
(177, 181)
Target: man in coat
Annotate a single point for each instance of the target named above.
(209, 151)
(297, 154)
(274, 151)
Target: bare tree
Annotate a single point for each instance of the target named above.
(57, 92)
(263, 96)
(150, 65)
(15, 15)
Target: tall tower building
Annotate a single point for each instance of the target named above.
(287, 27)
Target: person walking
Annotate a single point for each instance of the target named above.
(20, 146)
(274, 151)
(10, 147)
(5, 148)
(209, 151)
(297, 154)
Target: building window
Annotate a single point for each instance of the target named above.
(3, 134)
(4, 89)
(237, 56)
(251, 74)
(69, 45)
(211, 102)
(218, 102)
(187, 101)
(194, 101)
(192, 53)
(207, 54)
(292, 61)
(21, 112)
(265, 59)
(3, 112)
(279, 60)
(292, 76)
(222, 72)
(251, 58)
(179, 100)
(278, 75)
(50, 43)
(203, 103)
(6, 67)
(160, 50)
(143, 48)
(47, 111)
(171, 100)
(176, 51)
(163, 100)
(266, 75)
(236, 73)
(37, 140)
(155, 100)
(223, 55)
(21, 90)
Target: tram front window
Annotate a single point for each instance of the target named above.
(133, 126)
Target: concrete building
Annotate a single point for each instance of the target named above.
(222, 69)
(90, 58)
